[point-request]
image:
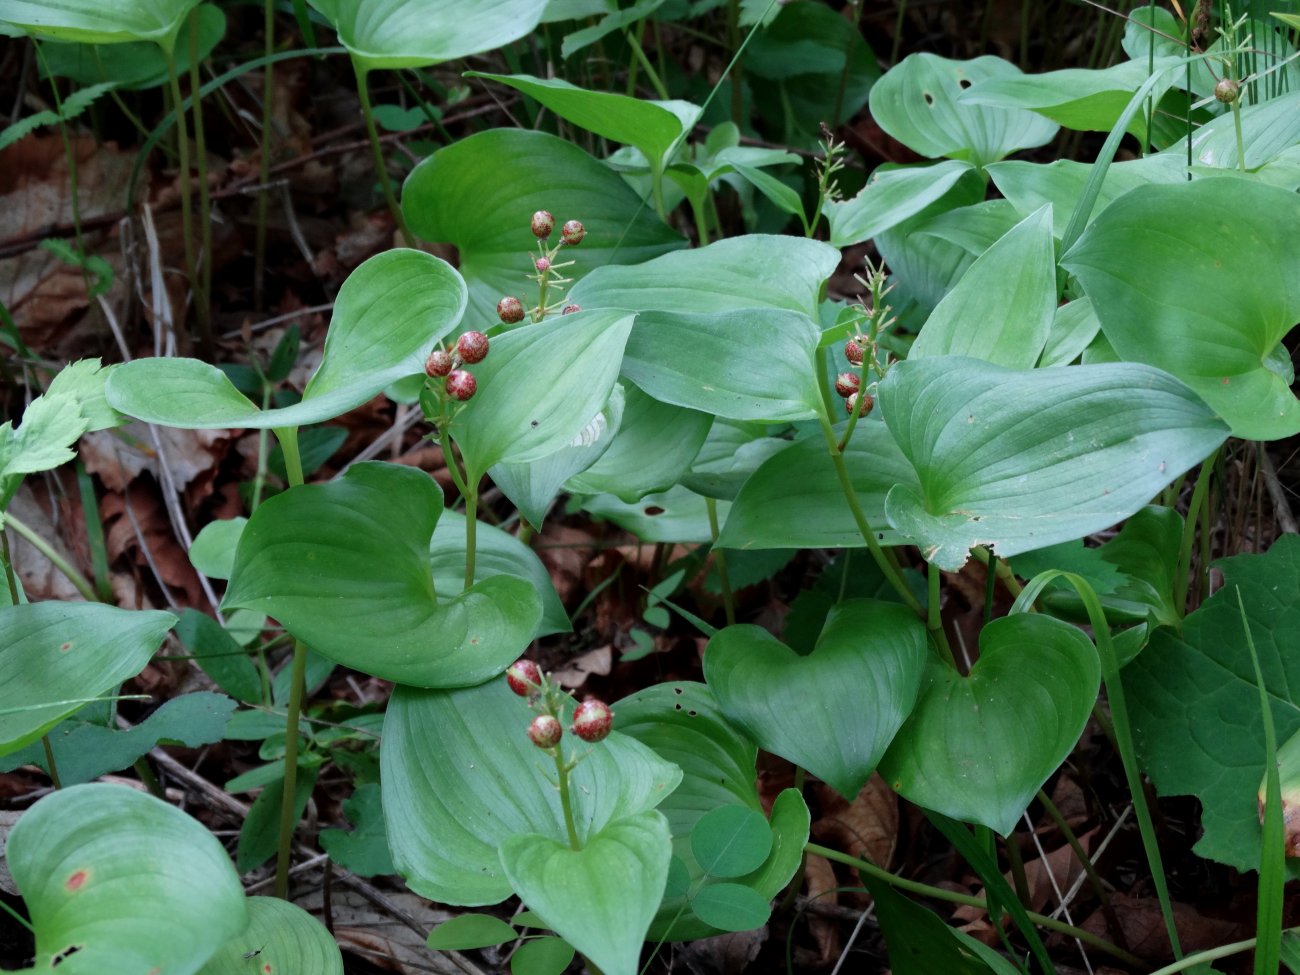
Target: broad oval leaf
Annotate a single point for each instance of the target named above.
(460, 777)
(345, 568)
(540, 387)
(118, 883)
(978, 747)
(681, 721)
(95, 22)
(481, 192)
(1021, 460)
(56, 656)
(731, 907)
(281, 937)
(731, 841)
(675, 515)
(654, 128)
(918, 103)
(388, 315)
(892, 194)
(601, 898)
(413, 33)
(855, 689)
(470, 931)
(1216, 290)
(1002, 308)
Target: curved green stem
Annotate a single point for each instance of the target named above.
(381, 168)
(638, 52)
(953, 897)
(47, 550)
(462, 482)
(1201, 957)
(720, 560)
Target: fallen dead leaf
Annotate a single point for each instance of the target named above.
(598, 662)
(119, 456)
(819, 883)
(866, 827)
(1144, 927)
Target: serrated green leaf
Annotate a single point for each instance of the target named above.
(364, 849)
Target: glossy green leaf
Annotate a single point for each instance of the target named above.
(260, 832)
(653, 127)
(919, 942)
(497, 553)
(281, 937)
(213, 550)
(131, 65)
(1020, 460)
(1002, 308)
(1074, 326)
(54, 656)
(127, 882)
(1087, 99)
(93, 22)
(345, 568)
(481, 192)
(1267, 131)
(751, 271)
(1195, 705)
(413, 33)
(973, 228)
(460, 777)
(918, 102)
(731, 453)
(470, 931)
(675, 515)
(731, 907)
(388, 315)
(653, 447)
(542, 956)
(794, 499)
(731, 841)
(1210, 310)
(681, 721)
(978, 747)
(540, 387)
(601, 898)
(363, 850)
(1030, 186)
(892, 195)
(855, 688)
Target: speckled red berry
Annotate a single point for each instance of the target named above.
(572, 232)
(543, 264)
(524, 677)
(543, 224)
(862, 401)
(461, 385)
(592, 720)
(846, 383)
(472, 347)
(570, 309)
(1227, 91)
(438, 364)
(853, 352)
(510, 310)
(545, 731)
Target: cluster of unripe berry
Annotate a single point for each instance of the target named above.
(510, 309)
(592, 719)
(847, 383)
(458, 383)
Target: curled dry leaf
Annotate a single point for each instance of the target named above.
(575, 674)
(818, 882)
(119, 456)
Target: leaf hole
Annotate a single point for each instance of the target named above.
(61, 956)
(534, 424)
(653, 510)
(692, 713)
(677, 707)
(677, 690)
(929, 99)
(963, 83)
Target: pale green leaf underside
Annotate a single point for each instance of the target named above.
(285, 937)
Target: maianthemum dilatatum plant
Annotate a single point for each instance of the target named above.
(1023, 370)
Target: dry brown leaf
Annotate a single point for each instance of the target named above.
(147, 525)
(380, 938)
(866, 827)
(565, 552)
(1144, 927)
(119, 456)
(724, 954)
(40, 579)
(599, 662)
(819, 881)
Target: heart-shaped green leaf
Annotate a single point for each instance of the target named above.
(681, 721)
(794, 499)
(540, 388)
(835, 711)
(412, 33)
(480, 194)
(388, 315)
(978, 747)
(118, 883)
(1209, 310)
(281, 937)
(1021, 460)
(55, 656)
(460, 777)
(1003, 306)
(345, 568)
(602, 898)
(918, 103)
(94, 22)
(892, 195)
(652, 127)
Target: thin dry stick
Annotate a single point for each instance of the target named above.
(1276, 493)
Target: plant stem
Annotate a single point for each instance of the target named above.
(187, 210)
(1094, 878)
(264, 164)
(1210, 954)
(953, 897)
(471, 535)
(720, 560)
(562, 781)
(49, 762)
(856, 7)
(639, 53)
(11, 581)
(142, 769)
(203, 301)
(17, 917)
(1182, 581)
(57, 560)
(381, 168)
(288, 437)
(733, 43)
